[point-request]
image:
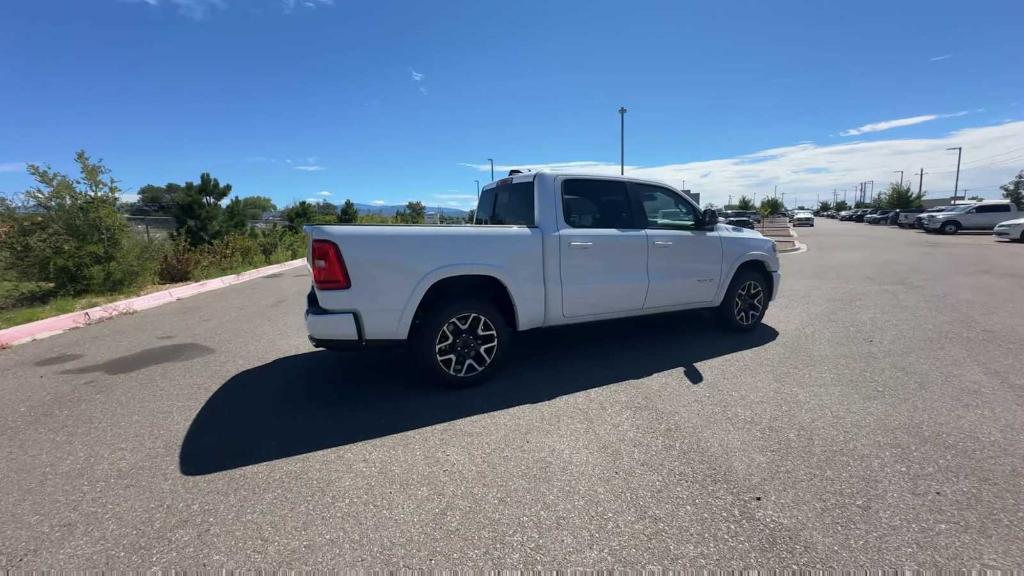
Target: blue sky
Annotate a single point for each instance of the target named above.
(390, 102)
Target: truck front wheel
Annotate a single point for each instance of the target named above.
(462, 343)
(745, 301)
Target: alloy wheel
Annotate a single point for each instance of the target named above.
(749, 303)
(466, 345)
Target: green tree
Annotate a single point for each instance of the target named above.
(325, 208)
(414, 213)
(197, 209)
(233, 218)
(348, 213)
(824, 206)
(256, 206)
(771, 206)
(841, 206)
(898, 197)
(745, 203)
(74, 237)
(300, 214)
(1014, 190)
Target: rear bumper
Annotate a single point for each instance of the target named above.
(337, 330)
(327, 326)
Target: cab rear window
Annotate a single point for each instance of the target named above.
(507, 204)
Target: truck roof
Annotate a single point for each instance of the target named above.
(527, 176)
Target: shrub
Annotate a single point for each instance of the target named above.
(229, 254)
(74, 238)
(177, 262)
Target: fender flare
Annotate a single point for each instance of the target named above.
(762, 257)
(436, 275)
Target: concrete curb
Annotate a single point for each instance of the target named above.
(59, 324)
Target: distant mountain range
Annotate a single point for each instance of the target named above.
(390, 209)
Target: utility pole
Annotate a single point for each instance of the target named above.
(775, 194)
(872, 194)
(491, 160)
(477, 190)
(622, 140)
(920, 182)
(901, 176)
(729, 203)
(956, 185)
(783, 200)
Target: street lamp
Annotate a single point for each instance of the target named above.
(491, 160)
(956, 184)
(622, 140)
(477, 190)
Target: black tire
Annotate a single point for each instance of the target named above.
(473, 327)
(1021, 237)
(950, 227)
(739, 296)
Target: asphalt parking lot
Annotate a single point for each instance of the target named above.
(874, 420)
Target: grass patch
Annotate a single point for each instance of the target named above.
(53, 307)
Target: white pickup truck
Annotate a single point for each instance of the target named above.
(547, 248)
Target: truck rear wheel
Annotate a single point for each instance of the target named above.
(745, 301)
(460, 344)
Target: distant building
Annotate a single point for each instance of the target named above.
(695, 196)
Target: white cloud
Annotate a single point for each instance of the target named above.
(992, 155)
(12, 166)
(194, 9)
(308, 168)
(288, 6)
(416, 76)
(378, 202)
(423, 90)
(898, 123)
(943, 57)
(324, 193)
(888, 124)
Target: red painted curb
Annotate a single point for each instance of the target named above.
(51, 326)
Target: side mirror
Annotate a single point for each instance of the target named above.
(710, 217)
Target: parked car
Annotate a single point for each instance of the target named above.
(1010, 230)
(803, 219)
(861, 214)
(906, 216)
(554, 249)
(981, 216)
(878, 216)
(920, 218)
(736, 218)
(846, 215)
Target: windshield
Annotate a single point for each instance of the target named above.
(960, 209)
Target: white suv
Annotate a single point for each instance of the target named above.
(981, 216)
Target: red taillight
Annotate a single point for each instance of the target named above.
(329, 271)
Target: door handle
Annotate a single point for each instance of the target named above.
(582, 245)
(662, 243)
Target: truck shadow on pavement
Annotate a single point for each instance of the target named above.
(320, 399)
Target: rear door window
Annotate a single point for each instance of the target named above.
(989, 208)
(596, 204)
(507, 204)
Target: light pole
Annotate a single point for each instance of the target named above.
(477, 190)
(491, 160)
(956, 184)
(622, 140)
